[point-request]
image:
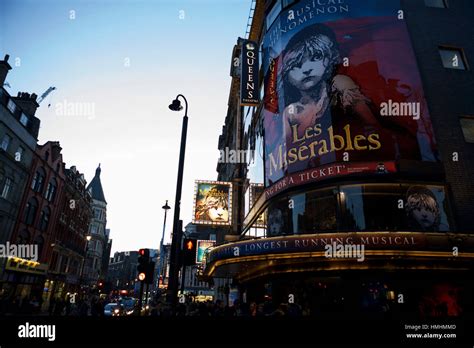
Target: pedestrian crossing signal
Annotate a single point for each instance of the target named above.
(189, 252)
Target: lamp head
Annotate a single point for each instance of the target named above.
(166, 206)
(88, 238)
(175, 105)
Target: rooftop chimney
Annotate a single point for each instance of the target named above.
(4, 67)
(55, 150)
(27, 102)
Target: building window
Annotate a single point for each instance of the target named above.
(30, 211)
(38, 181)
(19, 154)
(97, 214)
(436, 3)
(273, 14)
(11, 106)
(5, 142)
(467, 125)
(7, 188)
(54, 262)
(24, 119)
(51, 190)
(44, 219)
(23, 237)
(287, 3)
(93, 229)
(453, 58)
(40, 242)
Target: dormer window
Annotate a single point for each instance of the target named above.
(11, 106)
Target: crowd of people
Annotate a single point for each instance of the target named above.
(238, 309)
(68, 306)
(94, 306)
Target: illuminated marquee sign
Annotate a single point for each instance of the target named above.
(256, 190)
(212, 203)
(26, 266)
(314, 243)
(202, 247)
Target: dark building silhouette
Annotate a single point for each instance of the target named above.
(18, 136)
(122, 270)
(98, 250)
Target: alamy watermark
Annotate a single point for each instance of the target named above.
(227, 155)
(392, 108)
(37, 331)
(347, 251)
(68, 108)
(22, 251)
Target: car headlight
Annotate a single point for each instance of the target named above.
(116, 311)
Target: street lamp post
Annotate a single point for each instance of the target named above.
(166, 207)
(88, 239)
(176, 238)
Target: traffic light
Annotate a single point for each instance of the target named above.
(189, 251)
(149, 272)
(143, 261)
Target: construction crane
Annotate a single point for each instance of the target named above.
(45, 94)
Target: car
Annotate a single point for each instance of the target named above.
(129, 303)
(114, 310)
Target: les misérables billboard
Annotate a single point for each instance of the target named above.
(213, 203)
(342, 87)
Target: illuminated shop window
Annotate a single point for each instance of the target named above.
(371, 207)
(467, 125)
(453, 58)
(436, 3)
(278, 218)
(314, 211)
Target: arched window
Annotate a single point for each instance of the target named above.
(30, 211)
(38, 180)
(39, 241)
(44, 219)
(51, 190)
(23, 237)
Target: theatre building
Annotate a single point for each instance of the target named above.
(357, 194)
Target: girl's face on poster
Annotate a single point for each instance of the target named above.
(217, 212)
(309, 73)
(425, 217)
